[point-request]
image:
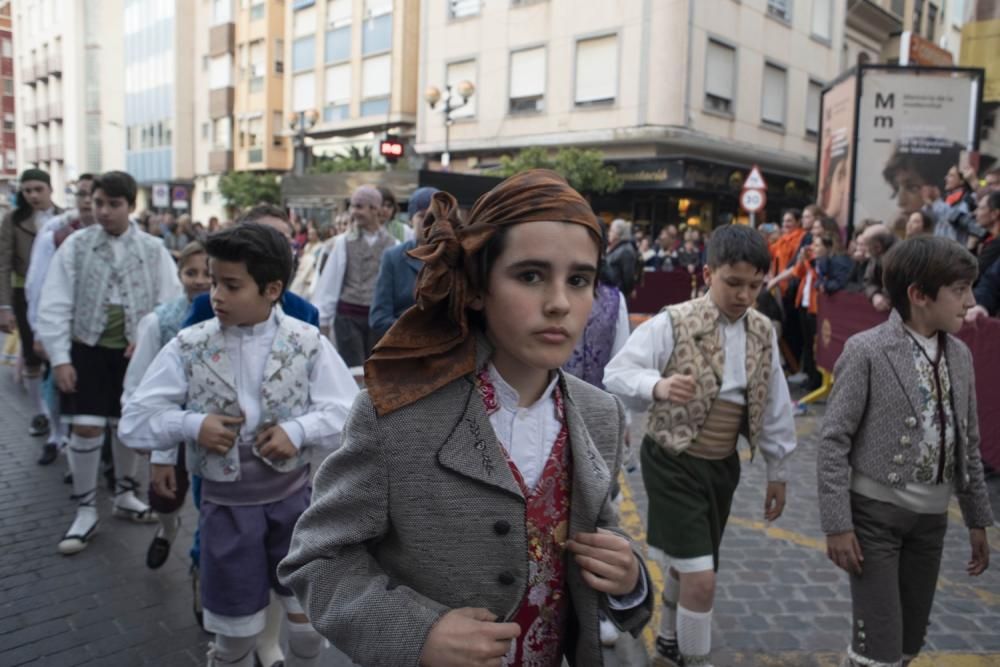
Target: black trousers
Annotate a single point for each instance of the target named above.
(808, 323)
(20, 308)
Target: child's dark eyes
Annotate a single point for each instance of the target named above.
(580, 281)
(530, 277)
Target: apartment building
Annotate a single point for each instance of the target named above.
(910, 32)
(355, 63)
(69, 85)
(683, 97)
(8, 136)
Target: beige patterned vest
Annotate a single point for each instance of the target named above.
(363, 261)
(698, 351)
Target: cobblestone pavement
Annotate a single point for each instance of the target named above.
(780, 601)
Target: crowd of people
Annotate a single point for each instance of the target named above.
(459, 510)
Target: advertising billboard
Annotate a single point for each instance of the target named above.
(836, 150)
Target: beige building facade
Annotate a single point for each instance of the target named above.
(69, 84)
(684, 97)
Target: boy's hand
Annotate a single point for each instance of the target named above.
(607, 562)
(980, 552)
(774, 501)
(468, 637)
(881, 303)
(65, 378)
(273, 443)
(218, 433)
(676, 388)
(843, 549)
(163, 479)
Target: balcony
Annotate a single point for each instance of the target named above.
(30, 118)
(41, 69)
(42, 113)
(43, 153)
(220, 102)
(220, 161)
(55, 111)
(30, 155)
(56, 152)
(55, 63)
(28, 73)
(222, 39)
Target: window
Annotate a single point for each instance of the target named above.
(377, 29)
(720, 68)
(773, 96)
(932, 17)
(376, 85)
(8, 122)
(277, 119)
(243, 53)
(338, 13)
(463, 71)
(10, 160)
(206, 130)
(279, 56)
(222, 133)
(205, 62)
(821, 19)
(918, 15)
(897, 7)
(257, 68)
(258, 9)
(220, 73)
(303, 92)
(8, 86)
(302, 4)
(5, 49)
(222, 11)
(303, 54)
(206, 196)
(780, 9)
(596, 70)
(813, 97)
(338, 93)
(255, 132)
(304, 22)
(458, 9)
(338, 45)
(527, 80)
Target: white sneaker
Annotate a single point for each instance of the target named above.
(609, 633)
(127, 506)
(83, 528)
(798, 378)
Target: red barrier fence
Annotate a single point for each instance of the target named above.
(844, 314)
(662, 288)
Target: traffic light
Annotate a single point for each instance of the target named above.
(391, 149)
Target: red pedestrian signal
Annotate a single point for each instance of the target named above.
(391, 149)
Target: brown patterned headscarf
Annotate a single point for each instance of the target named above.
(431, 344)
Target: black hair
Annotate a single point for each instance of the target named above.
(116, 184)
(928, 157)
(794, 212)
(926, 221)
(732, 244)
(263, 249)
(85, 176)
(265, 211)
(929, 263)
(388, 199)
(884, 237)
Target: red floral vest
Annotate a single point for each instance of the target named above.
(544, 610)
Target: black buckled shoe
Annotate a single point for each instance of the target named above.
(667, 654)
(39, 426)
(157, 553)
(50, 452)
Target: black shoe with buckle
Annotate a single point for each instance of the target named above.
(157, 553)
(667, 654)
(39, 426)
(50, 452)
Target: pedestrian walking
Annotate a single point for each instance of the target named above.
(248, 391)
(103, 280)
(464, 520)
(899, 437)
(710, 370)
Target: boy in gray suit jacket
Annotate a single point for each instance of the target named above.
(900, 434)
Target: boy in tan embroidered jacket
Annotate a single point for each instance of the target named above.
(900, 435)
(711, 370)
(248, 390)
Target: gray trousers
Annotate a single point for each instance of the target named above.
(354, 337)
(893, 596)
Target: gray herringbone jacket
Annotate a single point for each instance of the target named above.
(872, 424)
(418, 513)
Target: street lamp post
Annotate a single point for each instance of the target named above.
(432, 95)
(301, 122)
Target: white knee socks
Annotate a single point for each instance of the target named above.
(34, 387)
(126, 464)
(169, 523)
(671, 594)
(304, 645)
(694, 636)
(85, 461)
(228, 651)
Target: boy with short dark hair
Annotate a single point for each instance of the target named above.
(102, 281)
(711, 370)
(247, 390)
(899, 435)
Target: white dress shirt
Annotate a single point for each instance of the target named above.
(154, 413)
(326, 291)
(55, 309)
(633, 373)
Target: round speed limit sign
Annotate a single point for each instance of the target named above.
(752, 200)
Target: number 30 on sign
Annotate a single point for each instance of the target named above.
(752, 200)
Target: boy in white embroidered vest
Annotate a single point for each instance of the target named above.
(466, 520)
(346, 287)
(102, 281)
(900, 435)
(168, 475)
(711, 370)
(247, 390)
